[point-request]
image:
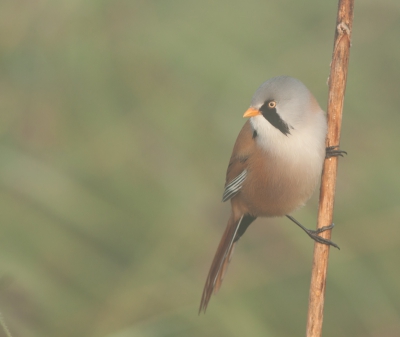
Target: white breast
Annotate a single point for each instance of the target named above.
(294, 162)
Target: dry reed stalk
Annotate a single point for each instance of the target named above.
(337, 86)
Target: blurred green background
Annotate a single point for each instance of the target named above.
(117, 123)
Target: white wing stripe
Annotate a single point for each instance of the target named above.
(234, 186)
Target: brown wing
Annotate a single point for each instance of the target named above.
(236, 172)
(243, 148)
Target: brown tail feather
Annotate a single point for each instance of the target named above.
(220, 262)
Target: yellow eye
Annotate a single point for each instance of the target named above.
(271, 104)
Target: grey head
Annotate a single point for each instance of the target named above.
(285, 103)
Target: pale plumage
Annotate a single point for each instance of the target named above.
(275, 165)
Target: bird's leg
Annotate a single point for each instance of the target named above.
(333, 151)
(313, 234)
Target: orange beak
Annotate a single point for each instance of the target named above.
(251, 112)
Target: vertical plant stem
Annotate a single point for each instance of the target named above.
(337, 86)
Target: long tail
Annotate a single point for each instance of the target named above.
(234, 230)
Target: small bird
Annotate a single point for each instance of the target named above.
(275, 165)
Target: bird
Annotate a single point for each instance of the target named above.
(275, 166)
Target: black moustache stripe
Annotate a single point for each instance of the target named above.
(272, 116)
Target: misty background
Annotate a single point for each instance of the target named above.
(117, 122)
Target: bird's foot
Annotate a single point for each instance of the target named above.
(333, 151)
(313, 234)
